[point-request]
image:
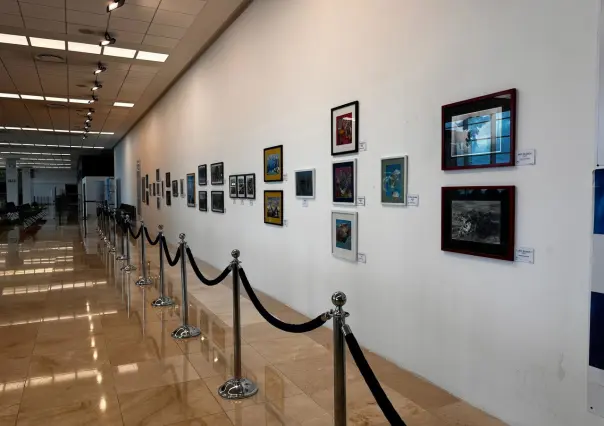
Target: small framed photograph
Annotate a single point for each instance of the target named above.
(479, 221)
(154, 186)
(202, 174)
(394, 180)
(147, 198)
(344, 177)
(345, 129)
(175, 188)
(147, 181)
(273, 207)
(203, 201)
(217, 173)
(480, 132)
(344, 235)
(191, 190)
(163, 188)
(143, 188)
(240, 186)
(182, 188)
(250, 186)
(273, 164)
(156, 175)
(305, 183)
(158, 202)
(233, 186)
(168, 198)
(168, 181)
(218, 201)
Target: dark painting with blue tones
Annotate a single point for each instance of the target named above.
(599, 201)
(596, 331)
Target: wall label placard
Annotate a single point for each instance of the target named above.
(285, 222)
(360, 201)
(361, 258)
(242, 202)
(251, 203)
(525, 158)
(285, 177)
(525, 255)
(413, 200)
(362, 146)
(304, 203)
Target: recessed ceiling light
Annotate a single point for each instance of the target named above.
(98, 147)
(119, 52)
(13, 39)
(9, 95)
(47, 43)
(84, 146)
(12, 128)
(61, 131)
(123, 104)
(64, 146)
(53, 99)
(107, 133)
(150, 56)
(79, 101)
(28, 144)
(114, 5)
(83, 47)
(45, 130)
(33, 97)
(29, 129)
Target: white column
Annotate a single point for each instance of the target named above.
(12, 181)
(26, 186)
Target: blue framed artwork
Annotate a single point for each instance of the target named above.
(344, 235)
(394, 180)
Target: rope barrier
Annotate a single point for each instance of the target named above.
(276, 322)
(174, 261)
(203, 279)
(138, 234)
(152, 242)
(372, 382)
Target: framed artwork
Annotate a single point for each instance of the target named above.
(203, 201)
(250, 186)
(156, 175)
(345, 129)
(344, 177)
(154, 189)
(273, 207)
(175, 188)
(147, 198)
(233, 186)
(202, 174)
(146, 181)
(273, 164)
(158, 202)
(344, 235)
(182, 188)
(479, 220)
(240, 186)
(163, 188)
(218, 201)
(168, 181)
(394, 180)
(168, 198)
(217, 173)
(144, 188)
(480, 132)
(191, 190)
(305, 183)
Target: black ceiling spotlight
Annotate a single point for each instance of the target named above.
(115, 4)
(84, 137)
(96, 86)
(108, 40)
(88, 120)
(100, 68)
(90, 112)
(94, 99)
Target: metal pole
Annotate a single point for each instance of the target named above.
(339, 359)
(144, 279)
(114, 246)
(162, 300)
(237, 387)
(128, 267)
(185, 331)
(122, 257)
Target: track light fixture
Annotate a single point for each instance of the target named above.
(90, 112)
(108, 40)
(94, 99)
(96, 86)
(115, 4)
(100, 68)
(84, 137)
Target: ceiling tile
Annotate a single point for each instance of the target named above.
(166, 31)
(152, 40)
(127, 37)
(130, 11)
(174, 19)
(128, 25)
(92, 6)
(79, 29)
(10, 6)
(144, 69)
(52, 3)
(54, 84)
(191, 7)
(10, 21)
(17, 58)
(43, 12)
(85, 18)
(44, 25)
(146, 3)
(49, 68)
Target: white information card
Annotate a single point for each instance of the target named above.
(525, 158)
(525, 255)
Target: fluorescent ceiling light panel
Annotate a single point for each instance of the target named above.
(30, 129)
(12, 128)
(77, 131)
(79, 101)
(98, 147)
(9, 95)
(64, 146)
(83, 47)
(123, 104)
(45, 130)
(13, 39)
(53, 99)
(33, 97)
(47, 43)
(62, 131)
(150, 56)
(107, 133)
(119, 52)
(84, 146)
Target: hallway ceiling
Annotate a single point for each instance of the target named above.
(44, 90)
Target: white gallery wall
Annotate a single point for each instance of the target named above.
(510, 338)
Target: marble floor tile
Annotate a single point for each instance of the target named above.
(293, 348)
(213, 420)
(18, 340)
(13, 368)
(463, 414)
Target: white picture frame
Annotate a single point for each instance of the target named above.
(303, 192)
(347, 198)
(344, 221)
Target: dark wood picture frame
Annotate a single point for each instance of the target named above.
(219, 197)
(506, 99)
(355, 127)
(505, 195)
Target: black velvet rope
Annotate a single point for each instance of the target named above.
(138, 234)
(372, 382)
(152, 242)
(276, 322)
(171, 262)
(203, 279)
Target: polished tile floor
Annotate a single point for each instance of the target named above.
(81, 345)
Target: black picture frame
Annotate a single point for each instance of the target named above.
(143, 188)
(250, 186)
(158, 203)
(154, 186)
(240, 186)
(163, 188)
(191, 190)
(233, 186)
(202, 174)
(203, 201)
(157, 178)
(217, 201)
(168, 198)
(217, 174)
(147, 198)
(175, 188)
(147, 181)
(345, 129)
(181, 188)
(344, 181)
(168, 180)
(273, 164)
(479, 220)
(480, 132)
(273, 211)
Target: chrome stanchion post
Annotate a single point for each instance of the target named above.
(162, 300)
(144, 278)
(113, 245)
(128, 267)
(339, 359)
(185, 331)
(237, 387)
(122, 256)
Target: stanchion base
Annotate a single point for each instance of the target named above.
(162, 301)
(142, 281)
(186, 332)
(128, 268)
(121, 258)
(238, 389)
(112, 250)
